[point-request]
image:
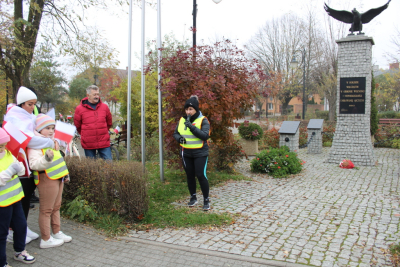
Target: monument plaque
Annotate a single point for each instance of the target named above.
(352, 95)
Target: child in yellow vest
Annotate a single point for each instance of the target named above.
(11, 212)
(50, 172)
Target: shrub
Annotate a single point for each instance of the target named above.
(250, 131)
(224, 156)
(322, 114)
(270, 139)
(303, 137)
(329, 131)
(391, 114)
(81, 209)
(111, 186)
(277, 162)
(327, 144)
(386, 132)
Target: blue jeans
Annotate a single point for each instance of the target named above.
(105, 153)
(12, 216)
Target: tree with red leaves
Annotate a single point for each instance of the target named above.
(109, 80)
(225, 81)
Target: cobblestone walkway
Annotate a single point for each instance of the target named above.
(326, 216)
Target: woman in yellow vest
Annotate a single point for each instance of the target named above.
(11, 212)
(192, 132)
(50, 172)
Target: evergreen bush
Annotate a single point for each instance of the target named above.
(250, 131)
(277, 162)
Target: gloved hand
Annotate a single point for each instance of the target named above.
(188, 124)
(182, 140)
(49, 155)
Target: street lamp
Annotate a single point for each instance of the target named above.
(194, 13)
(294, 64)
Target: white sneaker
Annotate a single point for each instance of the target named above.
(31, 234)
(28, 240)
(61, 235)
(51, 243)
(10, 237)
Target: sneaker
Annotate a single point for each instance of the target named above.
(7, 265)
(10, 237)
(61, 235)
(28, 240)
(206, 205)
(31, 234)
(193, 201)
(51, 243)
(24, 257)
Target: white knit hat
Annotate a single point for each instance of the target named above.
(24, 94)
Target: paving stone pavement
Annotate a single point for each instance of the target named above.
(325, 216)
(91, 248)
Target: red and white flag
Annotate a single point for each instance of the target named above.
(61, 116)
(18, 140)
(64, 131)
(69, 117)
(117, 129)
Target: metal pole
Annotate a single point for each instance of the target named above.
(160, 120)
(143, 91)
(194, 23)
(128, 128)
(304, 82)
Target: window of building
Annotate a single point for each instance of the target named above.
(270, 106)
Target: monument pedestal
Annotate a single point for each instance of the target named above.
(352, 139)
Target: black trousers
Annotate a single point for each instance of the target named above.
(28, 186)
(196, 167)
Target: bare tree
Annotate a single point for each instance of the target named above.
(275, 45)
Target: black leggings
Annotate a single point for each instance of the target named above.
(196, 167)
(28, 186)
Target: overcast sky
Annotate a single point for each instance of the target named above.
(236, 20)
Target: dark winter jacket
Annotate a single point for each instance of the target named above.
(93, 124)
(203, 134)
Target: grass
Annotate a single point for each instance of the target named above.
(162, 213)
(395, 254)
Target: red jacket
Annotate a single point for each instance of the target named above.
(93, 125)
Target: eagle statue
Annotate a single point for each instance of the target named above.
(354, 17)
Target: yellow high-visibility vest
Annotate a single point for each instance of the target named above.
(192, 142)
(57, 168)
(35, 111)
(11, 192)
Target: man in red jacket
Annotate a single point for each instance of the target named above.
(92, 120)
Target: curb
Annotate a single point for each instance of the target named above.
(271, 263)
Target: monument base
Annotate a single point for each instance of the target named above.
(352, 141)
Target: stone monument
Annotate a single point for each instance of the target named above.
(352, 139)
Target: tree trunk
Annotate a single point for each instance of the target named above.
(332, 107)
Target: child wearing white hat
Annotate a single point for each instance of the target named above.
(23, 118)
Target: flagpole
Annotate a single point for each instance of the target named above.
(160, 121)
(128, 127)
(143, 91)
